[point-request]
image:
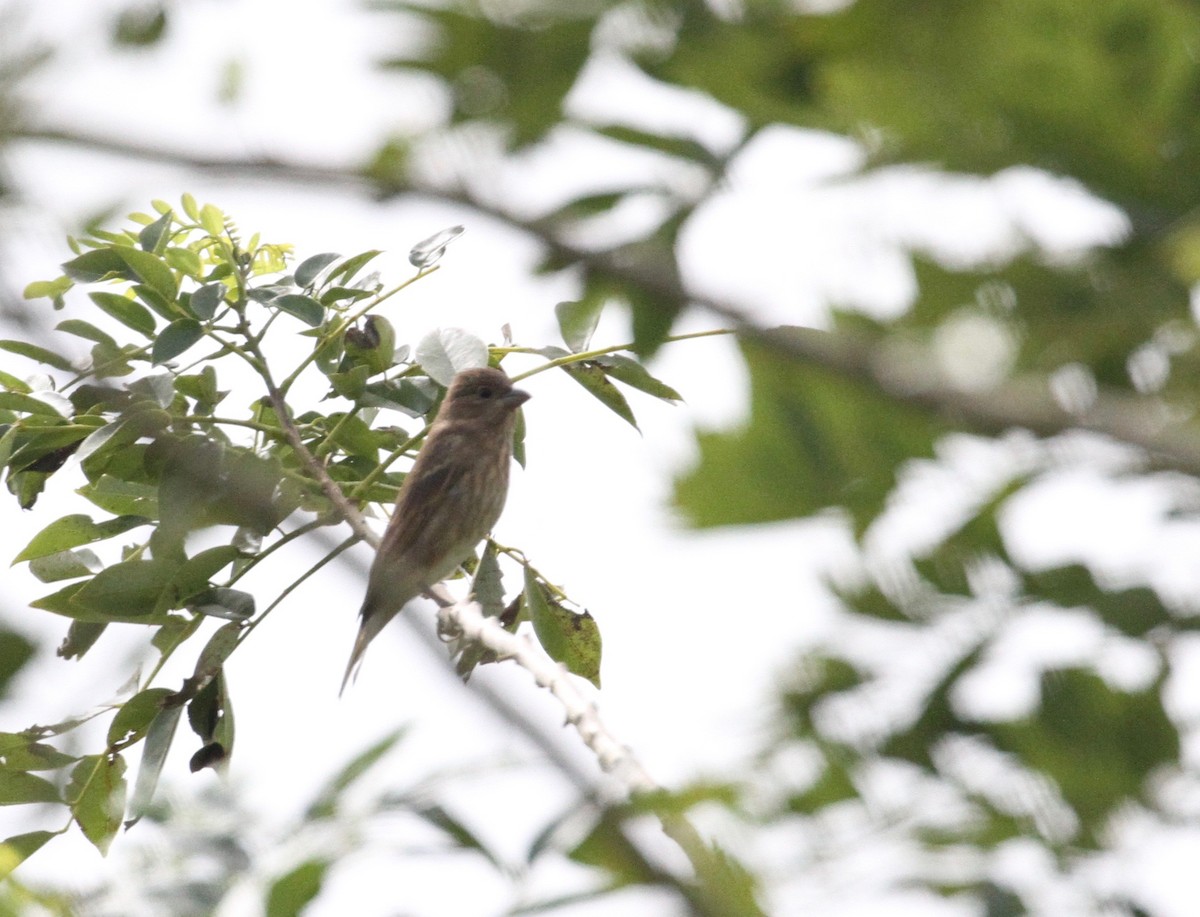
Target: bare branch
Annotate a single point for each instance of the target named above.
(1143, 421)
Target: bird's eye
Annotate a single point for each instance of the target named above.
(485, 392)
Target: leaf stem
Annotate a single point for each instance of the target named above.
(343, 322)
(582, 356)
(283, 540)
(365, 484)
(332, 555)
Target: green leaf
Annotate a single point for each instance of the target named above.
(47, 403)
(110, 361)
(50, 289)
(135, 716)
(1098, 744)
(96, 795)
(1134, 612)
(606, 848)
(412, 397)
(577, 321)
(75, 530)
(814, 439)
(325, 803)
(65, 565)
(653, 318)
(223, 642)
(176, 338)
(159, 736)
(192, 578)
(305, 308)
(22, 752)
(291, 893)
(204, 710)
(454, 828)
(13, 384)
(17, 849)
(185, 261)
(345, 271)
(444, 352)
(202, 388)
(167, 308)
(211, 716)
(588, 205)
(527, 99)
(569, 638)
(127, 591)
(681, 147)
(95, 265)
(221, 602)
(188, 202)
(352, 384)
(212, 220)
(129, 313)
(60, 603)
(310, 268)
(112, 436)
(40, 354)
(19, 788)
(207, 299)
(354, 436)
(81, 636)
(15, 653)
(43, 444)
(337, 294)
(80, 328)
(487, 588)
(170, 634)
(592, 378)
(374, 344)
(139, 26)
(635, 375)
(151, 235)
(149, 269)
(27, 486)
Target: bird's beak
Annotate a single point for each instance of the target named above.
(516, 397)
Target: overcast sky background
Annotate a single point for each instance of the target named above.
(696, 625)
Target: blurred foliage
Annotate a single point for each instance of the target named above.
(1105, 94)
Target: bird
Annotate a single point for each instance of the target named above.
(449, 500)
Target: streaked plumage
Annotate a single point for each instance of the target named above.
(449, 501)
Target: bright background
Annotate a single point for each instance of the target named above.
(697, 626)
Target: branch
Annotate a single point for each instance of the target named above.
(467, 619)
(1025, 402)
(709, 865)
(347, 510)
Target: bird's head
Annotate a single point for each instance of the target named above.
(483, 392)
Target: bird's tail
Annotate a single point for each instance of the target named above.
(356, 654)
(373, 619)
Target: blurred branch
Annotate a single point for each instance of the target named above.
(708, 862)
(907, 376)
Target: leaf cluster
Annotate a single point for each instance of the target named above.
(192, 484)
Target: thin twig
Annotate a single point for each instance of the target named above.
(1142, 421)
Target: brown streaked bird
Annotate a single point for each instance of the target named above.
(449, 501)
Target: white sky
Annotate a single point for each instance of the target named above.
(696, 625)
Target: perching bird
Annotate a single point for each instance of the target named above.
(449, 501)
